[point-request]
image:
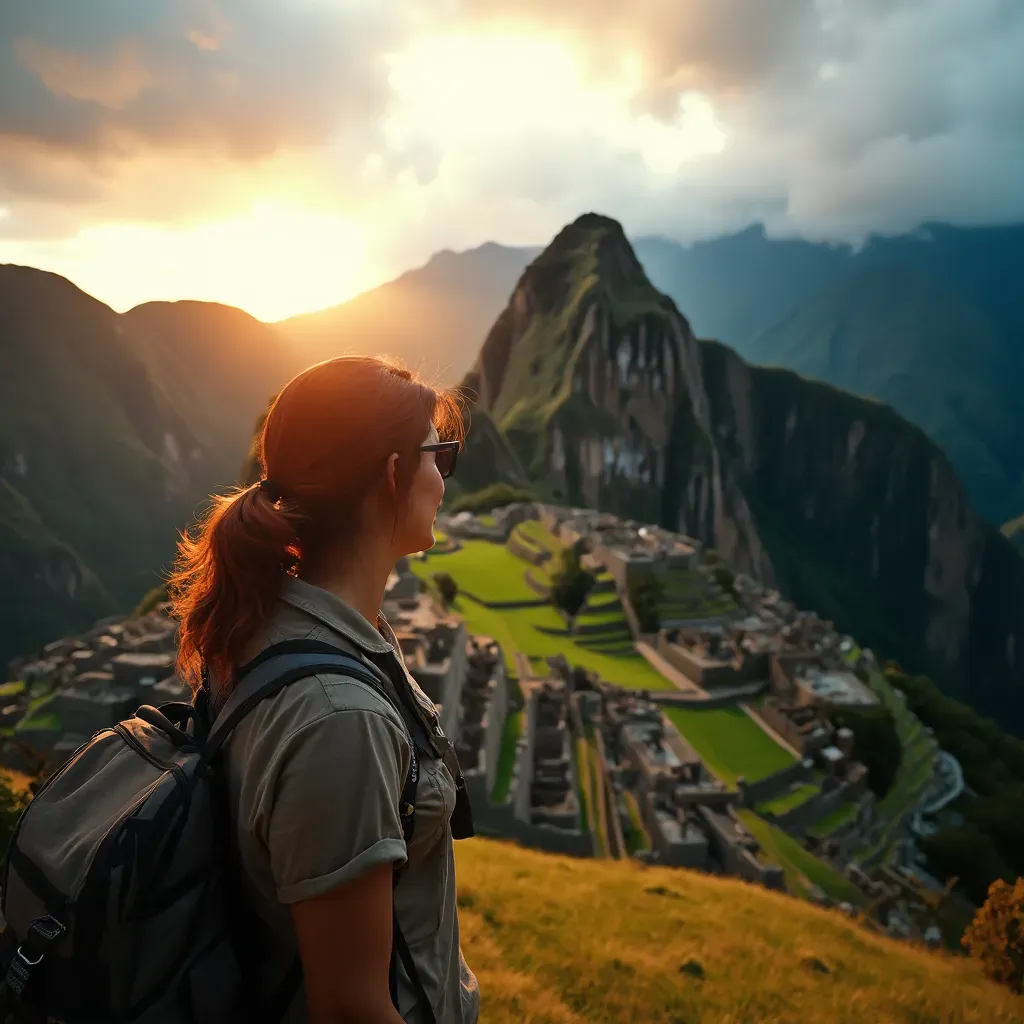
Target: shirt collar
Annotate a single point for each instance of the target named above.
(336, 614)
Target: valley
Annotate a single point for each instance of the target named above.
(729, 766)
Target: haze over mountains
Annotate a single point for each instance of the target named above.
(931, 323)
(115, 427)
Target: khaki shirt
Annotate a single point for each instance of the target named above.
(315, 773)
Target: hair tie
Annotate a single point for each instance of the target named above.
(271, 490)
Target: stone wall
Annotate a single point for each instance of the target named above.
(774, 785)
(806, 815)
(734, 857)
(503, 821)
(494, 724)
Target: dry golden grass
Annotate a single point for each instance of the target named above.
(555, 940)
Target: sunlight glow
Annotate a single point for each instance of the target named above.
(474, 90)
(273, 261)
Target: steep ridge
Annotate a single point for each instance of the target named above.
(595, 379)
(112, 430)
(599, 385)
(780, 302)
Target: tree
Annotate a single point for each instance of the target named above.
(996, 935)
(970, 855)
(570, 583)
(876, 744)
(724, 577)
(446, 587)
(646, 597)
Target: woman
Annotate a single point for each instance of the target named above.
(354, 475)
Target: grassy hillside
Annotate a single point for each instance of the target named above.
(560, 941)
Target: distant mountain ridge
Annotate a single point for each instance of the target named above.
(610, 401)
(113, 429)
(744, 289)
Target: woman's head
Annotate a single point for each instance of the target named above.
(343, 461)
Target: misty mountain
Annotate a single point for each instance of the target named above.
(958, 331)
(113, 429)
(608, 399)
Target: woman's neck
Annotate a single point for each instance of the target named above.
(359, 576)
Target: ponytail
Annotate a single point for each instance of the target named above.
(325, 444)
(227, 578)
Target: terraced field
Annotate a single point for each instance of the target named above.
(491, 572)
(730, 742)
(688, 596)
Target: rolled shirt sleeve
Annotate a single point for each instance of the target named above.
(334, 802)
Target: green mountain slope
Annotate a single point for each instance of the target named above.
(741, 286)
(896, 334)
(112, 430)
(599, 385)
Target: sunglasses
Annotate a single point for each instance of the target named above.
(446, 454)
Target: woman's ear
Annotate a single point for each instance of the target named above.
(391, 474)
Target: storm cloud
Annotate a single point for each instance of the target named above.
(833, 118)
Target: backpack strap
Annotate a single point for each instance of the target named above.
(267, 674)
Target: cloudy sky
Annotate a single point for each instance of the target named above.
(282, 155)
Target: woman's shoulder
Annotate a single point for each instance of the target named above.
(326, 710)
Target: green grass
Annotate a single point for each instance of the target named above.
(507, 756)
(12, 689)
(598, 616)
(585, 792)
(730, 742)
(535, 533)
(561, 940)
(637, 840)
(480, 567)
(787, 801)
(39, 715)
(840, 816)
(801, 868)
(487, 570)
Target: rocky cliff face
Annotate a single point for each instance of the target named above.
(598, 383)
(866, 521)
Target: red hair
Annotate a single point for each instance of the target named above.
(325, 445)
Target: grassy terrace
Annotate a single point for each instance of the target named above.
(637, 839)
(687, 596)
(840, 816)
(507, 756)
(915, 763)
(730, 742)
(787, 801)
(493, 573)
(802, 869)
(483, 569)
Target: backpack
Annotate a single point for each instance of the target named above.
(120, 893)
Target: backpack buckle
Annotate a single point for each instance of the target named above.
(24, 958)
(42, 933)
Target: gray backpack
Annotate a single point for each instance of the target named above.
(121, 898)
